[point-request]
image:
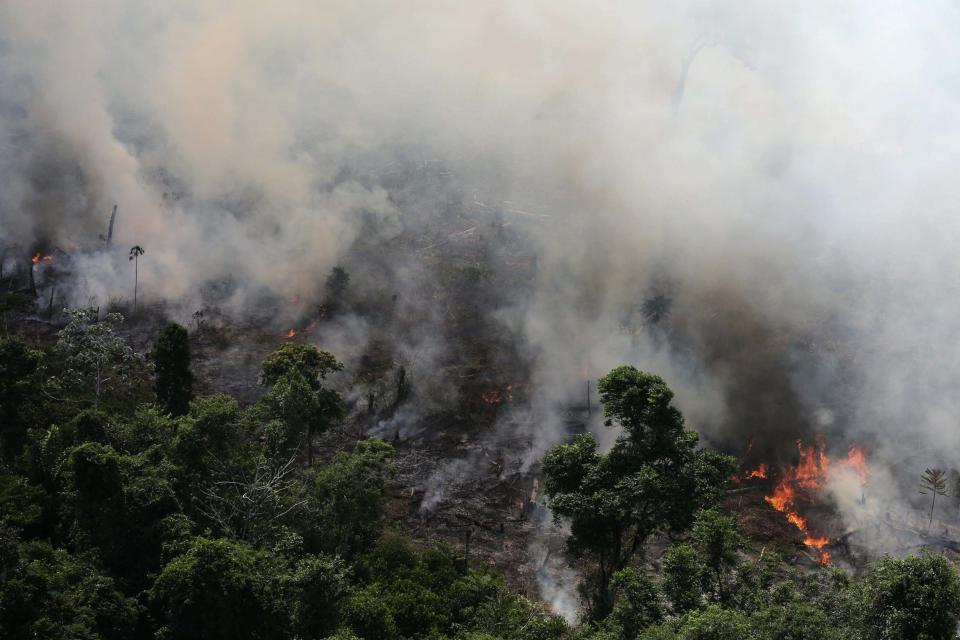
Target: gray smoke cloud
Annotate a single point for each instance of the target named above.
(754, 200)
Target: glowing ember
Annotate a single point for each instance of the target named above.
(291, 333)
(498, 396)
(491, 397)
(809, 476)
(38, 257)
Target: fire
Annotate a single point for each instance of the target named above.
(38, 257)
(498, 396)
(809, 476)
(760, 472)
(491, 397)
(291, 333)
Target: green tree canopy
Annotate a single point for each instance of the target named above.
(222, 589)
(95, 358)
(653, 479)
(20, 368)
(171, 360)
(912, 598)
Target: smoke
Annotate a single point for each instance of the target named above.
(753, 200)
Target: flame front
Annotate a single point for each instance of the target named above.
(38, 257)
(807, 478)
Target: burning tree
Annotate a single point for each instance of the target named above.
(934, 482)
(653, 479)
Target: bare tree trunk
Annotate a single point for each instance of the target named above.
(932, 505)
(96, 403)
(136, 277)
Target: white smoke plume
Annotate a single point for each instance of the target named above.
(781, 177)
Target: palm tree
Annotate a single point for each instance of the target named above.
(135, 252)
(935, 483)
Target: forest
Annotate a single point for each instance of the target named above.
(132, 507)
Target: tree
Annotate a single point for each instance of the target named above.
(220, 589)
(135, 252)
(94, 355)
(934, 481)
(350, 496)
(336, 286)
(681, 578)
(653, 479)
(13, 302)
(294, 374)
(47, 593)
(794, 621)
(637, 605)
(171, 358)
(322, 585)
(912, 598)
(20, 368)
(301, 359)
(719, 542)
(99, 487)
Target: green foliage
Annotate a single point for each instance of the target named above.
(322, 583)
(300, 359)
(48, 593)
(793, 621)
(714, 623)
(95, 360)
(718, 539)
(20, 370)
(682, 578)
(21, 502)
(913, 598)
(653, 479)
(369, 615)
(171, 358)
(293, 375)
(124, 521)
(349, 498)
(637, 603)
(222, 589)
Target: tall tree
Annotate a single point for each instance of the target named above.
(135, 252)
(171, 358)
(294, 374)
(912, 598)
(653, 479)
(933, 482)
(20, 368)
(719, 541)
(94, 355)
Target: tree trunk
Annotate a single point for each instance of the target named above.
(96, 402)
(136, 277)
(310, 446)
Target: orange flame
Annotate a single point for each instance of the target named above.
(809, 476)
(759, 473)
(857, 460)
(291, 333)
(38, 257)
